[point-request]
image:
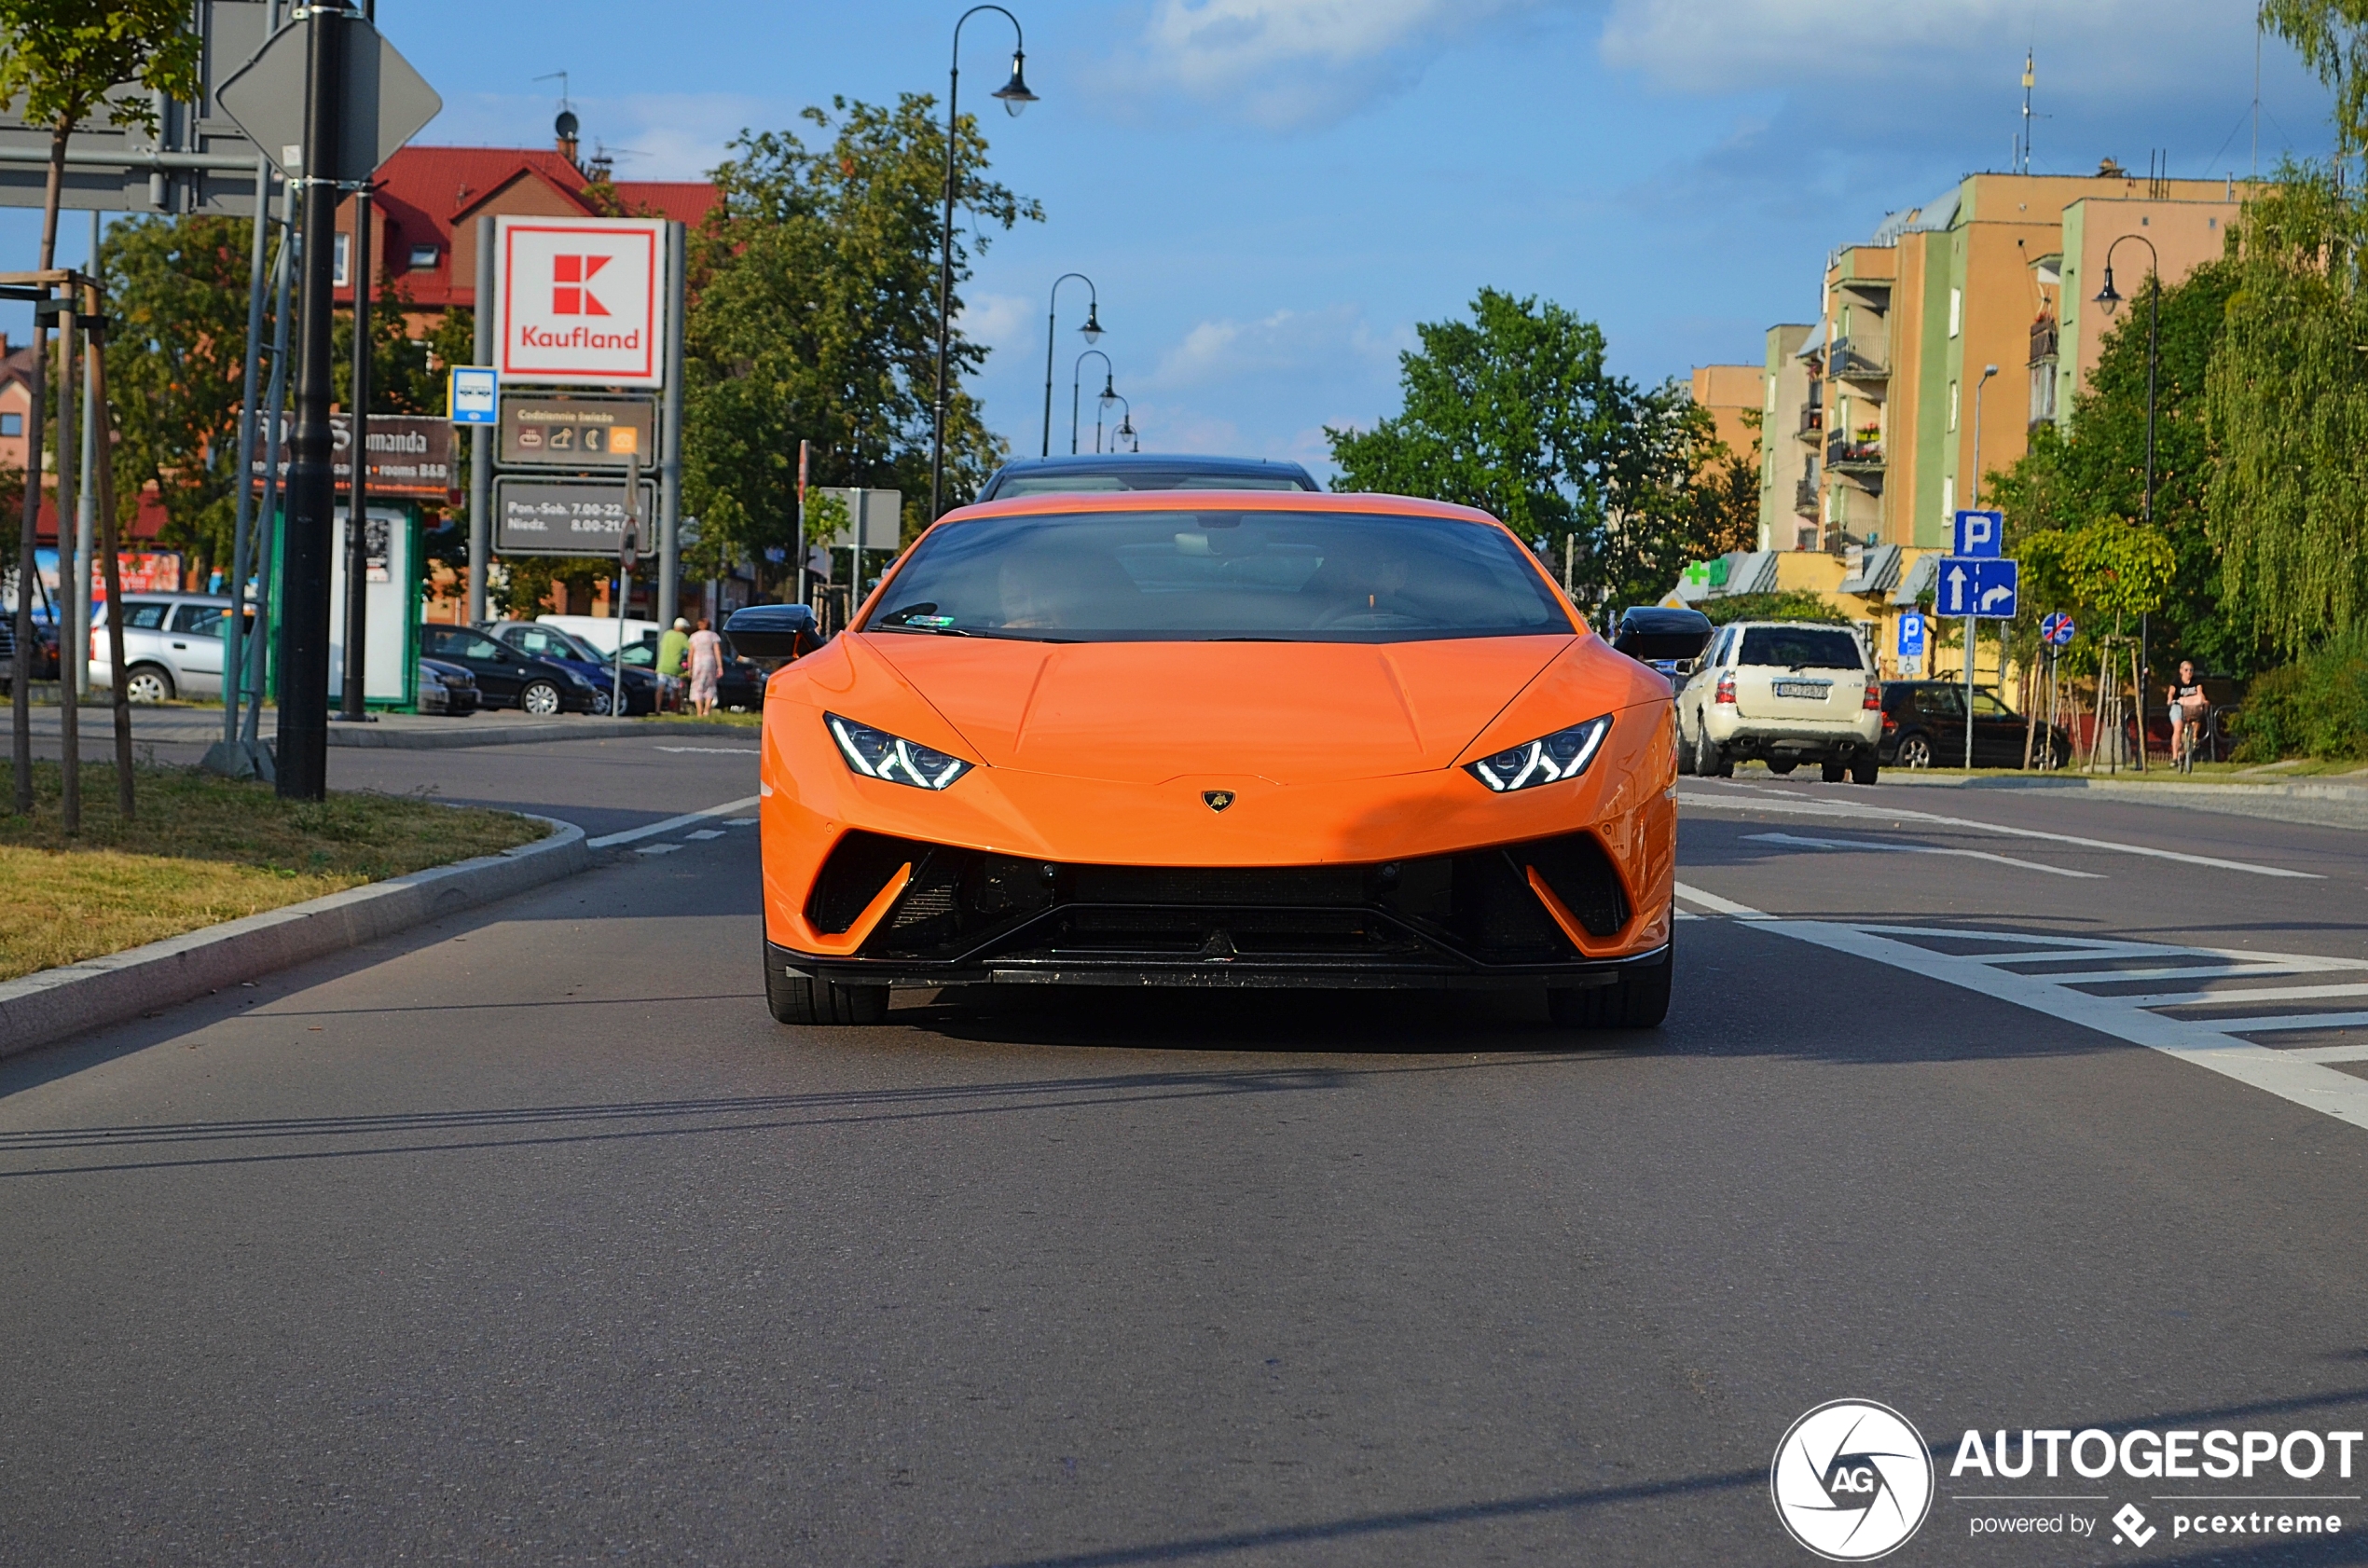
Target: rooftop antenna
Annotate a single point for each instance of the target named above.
(2029, 79)
(566, 107)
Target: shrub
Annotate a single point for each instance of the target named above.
(2315, 707)
(1792, 604)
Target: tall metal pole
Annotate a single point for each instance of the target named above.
(234, 630)
(20, 683)
(270, 504)
(1972, 625)
(2154, 319)
(73, 575)
(481, 438)
(625, 551)
(1051, 333)
(670, 440)
(303, 763)
(1077, 373)
(945, 240)
(86, 513)
(357, 514)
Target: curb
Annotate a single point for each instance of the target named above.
(511, 735)
(2322, 804)
(74, 998)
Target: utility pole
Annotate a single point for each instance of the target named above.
(481, 436)
(357, 516)
(303, 763)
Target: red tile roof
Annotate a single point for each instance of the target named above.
(425, 192)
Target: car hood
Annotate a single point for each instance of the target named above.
(1149, 712)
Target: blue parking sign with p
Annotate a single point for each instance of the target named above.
(1911, 636)
(1981, 533)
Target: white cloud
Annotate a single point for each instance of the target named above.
(651, 136)
(1284, 64)
(1322, 342)
(1741, 45)
(999, 321)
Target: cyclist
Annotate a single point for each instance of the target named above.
(2189, 708)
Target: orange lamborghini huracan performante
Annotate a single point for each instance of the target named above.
(1213, 739)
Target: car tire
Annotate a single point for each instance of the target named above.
(1831, 771)
(1914, 751)
(1639, 999)
(1864, 767)
(1783, 765)
(599, 703)
(1685, 753)
(148, 685)
(539, 696)
(1714, 762)
(792, 1000)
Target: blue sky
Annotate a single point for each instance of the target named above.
(1270, 193)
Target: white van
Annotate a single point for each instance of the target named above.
(601, 630)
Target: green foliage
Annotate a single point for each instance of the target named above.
(2332, 38)
(2316, 707)
(2288, 411)
(525, 581)
(1791, 604)
(177, 293)
(815, 315)
(826, 517)
(405, 373)
(1513, 412)
(2118, 568)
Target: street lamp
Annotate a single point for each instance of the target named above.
(1090, 332)
(2109, 298)
(1971, 624)
(1077, 375)
(1123, 431)
(1016, 97)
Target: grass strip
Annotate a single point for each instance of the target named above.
(203, 850)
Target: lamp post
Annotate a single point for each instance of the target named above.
(1016, 97)
(1123, 431)
(1090, 332)
(1971, 624)
(1076, 380)
(2111, 299)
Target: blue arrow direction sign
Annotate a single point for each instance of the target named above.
(1983, 589)
(1911, 636)
(476, 396)
(1981, 533)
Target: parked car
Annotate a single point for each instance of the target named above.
(506, 678)
(1127, 470)
(171, 646)
(44, 650)
(1669, 640)
(540, 640)
(1786, 693)
(1924, 726)
(447, 689)
(741, 688)
(599, 632)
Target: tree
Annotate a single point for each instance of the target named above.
(814, 316)
(2332, 38)
(63, 58)
(177, 290)
(1514, 413)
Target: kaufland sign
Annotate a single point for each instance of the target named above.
(581, 301)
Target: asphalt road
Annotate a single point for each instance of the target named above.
(530, 1237)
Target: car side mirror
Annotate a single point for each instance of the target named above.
(773, 631)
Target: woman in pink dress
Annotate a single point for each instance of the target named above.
(707, 669)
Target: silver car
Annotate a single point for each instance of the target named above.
(171, 646)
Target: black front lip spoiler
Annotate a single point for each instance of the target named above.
(1194, 972)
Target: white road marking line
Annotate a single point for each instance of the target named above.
(2331, 1054)
(2204, 972)
(2300, 1076)
(652, 830)
(2249, 994)
(657, 849)
(713, 750)
(2291, 1021)
(1917, 849)
(706, 833)
(1757, 800)
(739, 821)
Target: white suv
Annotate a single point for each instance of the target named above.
(1785, 691)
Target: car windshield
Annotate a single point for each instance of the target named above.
(1800, 648)
(1181, 576)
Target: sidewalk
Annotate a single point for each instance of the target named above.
(2327, 803)
(202, 726)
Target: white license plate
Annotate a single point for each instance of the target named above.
(1816, 689)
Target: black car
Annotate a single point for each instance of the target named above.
(1924, 726)
(554, 646)
(1669, 640)
(506, 678)
(739, 689)
(1106, 471)
(447, 689)
(44, 650)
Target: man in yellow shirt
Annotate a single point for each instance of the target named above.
(674, 650)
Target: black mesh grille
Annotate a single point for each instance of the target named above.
(854, 874)
(1582, 877)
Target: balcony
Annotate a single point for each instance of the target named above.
(1812, 424)
(1845, 362)
(1805, 496)
(2044, 340)
(1860, 461)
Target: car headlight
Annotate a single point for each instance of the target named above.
(576, 679)
(1549, 759)
(878, 754)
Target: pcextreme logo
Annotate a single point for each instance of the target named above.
(1852, 1480)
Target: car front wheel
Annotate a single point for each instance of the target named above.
(1914, 751)
(1685, 754)
(148, 683)
(600, 703)
(1639, 999)
(540, 697)
(797, 999)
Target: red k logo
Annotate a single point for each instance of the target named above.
(568, 274)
